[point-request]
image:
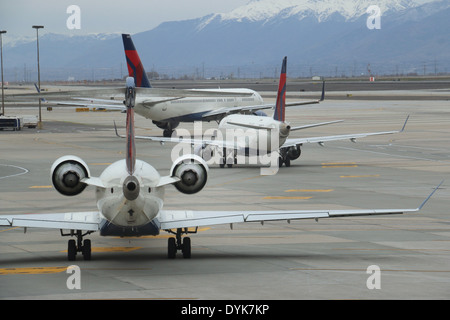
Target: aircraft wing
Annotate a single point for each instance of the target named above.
(203, 142)
(352, 137)
(85, 221)
(171, 219)
(223, 112)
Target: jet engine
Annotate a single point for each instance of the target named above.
(260, 113)
(67, 173)
(294, 152)
(192, 171)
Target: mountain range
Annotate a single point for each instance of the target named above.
(328, 38)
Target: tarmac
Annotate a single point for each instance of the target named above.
(328, 259)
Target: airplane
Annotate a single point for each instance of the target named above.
(264, 134)
(168, 114)
(130, 198)
(167, 108)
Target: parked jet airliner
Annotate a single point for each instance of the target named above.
(267, 134)
(167, 108)
(130, 198)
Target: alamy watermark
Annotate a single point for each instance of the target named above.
(230, 146)
(74, 280)
(374, 19)
(374, 280)
(74, 20)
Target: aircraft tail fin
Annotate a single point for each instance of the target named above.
(281, 95)
(135, 67)
(130, 96)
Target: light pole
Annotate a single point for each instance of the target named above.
(1, 54)
(39, 74)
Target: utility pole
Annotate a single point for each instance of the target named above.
(39, 74)
(3, 82)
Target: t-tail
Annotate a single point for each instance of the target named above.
(135, 67)
(130, 96)
(131, 186)
(281, 95)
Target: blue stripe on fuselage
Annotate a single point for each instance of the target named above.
(191, 117)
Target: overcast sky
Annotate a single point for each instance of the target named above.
(101, 16)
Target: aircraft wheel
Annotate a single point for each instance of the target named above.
(229, 165)
(280, 162)
(71, 250)
(86, 250)
(222, 165)
(287, 162)
(171, 248)
(167, 133)
(187, 248)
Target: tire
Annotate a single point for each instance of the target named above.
(171, 248)
(287, 162)
(86, 250)
(187, 248)
(71, 250)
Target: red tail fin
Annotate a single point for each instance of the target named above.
(281, 96)
(135, 67)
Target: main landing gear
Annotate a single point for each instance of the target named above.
(179, 243)
(73, 247)
(167, 133)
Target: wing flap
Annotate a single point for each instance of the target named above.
(183, 219)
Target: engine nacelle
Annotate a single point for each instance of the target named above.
(260, 113)
(192, 171)
(166, 125)
(294, 152)
(67, 173)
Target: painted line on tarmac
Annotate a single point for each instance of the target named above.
(35, 270)
(14, 175)
(362, 176)
(309, 190)
(286, 198)
(339, 165)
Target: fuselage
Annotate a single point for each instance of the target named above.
(189, 109)
(122, 212)
(254, 132)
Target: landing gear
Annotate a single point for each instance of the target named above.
(288, 154)
(229, 158)
(167, 133)
(73, 247)
(179, 243)
(286, 161)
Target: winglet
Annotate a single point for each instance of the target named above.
(404, 125)
(323, 92)
(117, 132)
(431, 194)
(39, 91)
(281, 95)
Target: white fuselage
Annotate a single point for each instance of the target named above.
(191, 109)
(252, 132)
(122, 212)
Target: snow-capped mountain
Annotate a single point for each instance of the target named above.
(327, 37)
(260, 10)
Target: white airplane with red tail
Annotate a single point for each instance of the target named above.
(130, 198)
